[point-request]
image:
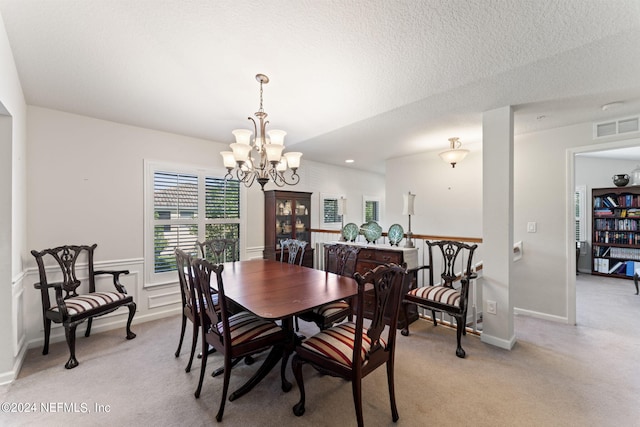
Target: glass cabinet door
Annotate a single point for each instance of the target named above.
(284, 220)
(302, 221)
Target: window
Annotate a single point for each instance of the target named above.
(187, 206)
(579, 211)
(371, 209)
(329, 213)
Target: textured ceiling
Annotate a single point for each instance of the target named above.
(368, 80)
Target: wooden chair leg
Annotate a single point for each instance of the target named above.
(392, 392)
(70, 332)
(296, 366)
(194, 343)
(459, 328)
(356, 385)
(203, 365)
(433, 316)
(132, 312)
(88, 331)
(225, 386)
(182, 329)
(405, 330)
(47, 333)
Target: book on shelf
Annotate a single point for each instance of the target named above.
(615, 268)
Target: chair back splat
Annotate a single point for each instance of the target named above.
(219, 250)
(451, 294)
(351, 351)
(293, 248)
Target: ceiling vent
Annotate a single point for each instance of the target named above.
(616, 127)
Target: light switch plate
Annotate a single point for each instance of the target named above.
(532, 227)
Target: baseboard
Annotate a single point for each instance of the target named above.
(498, 342)
(10, 376)
(538, 315)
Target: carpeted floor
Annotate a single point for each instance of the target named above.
(556, 375)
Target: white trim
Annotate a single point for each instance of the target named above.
(366, 199)
(329, 225)
(539, 315)
(498, 342)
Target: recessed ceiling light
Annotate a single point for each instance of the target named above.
(611, 105)
(349, 161)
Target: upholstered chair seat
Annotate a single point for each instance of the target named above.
(337, 343)
(245, 326)
(333, 308)
(90, 302)
(442, 294)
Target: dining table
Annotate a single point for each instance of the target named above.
(279, 291)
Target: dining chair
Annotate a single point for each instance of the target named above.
(218, 250)
(339, 259)
(293, 247)
(189, 302)
(451, 294)
(351, 350)
(234, 336)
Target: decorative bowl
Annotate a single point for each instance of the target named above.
(621, 180)
(371, 231)
(395, 234)
(350, 232)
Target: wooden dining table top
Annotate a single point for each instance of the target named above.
(275, 290)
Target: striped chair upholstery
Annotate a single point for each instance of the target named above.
(441, 294)
(337, 343)
(332, 308)
(245, 326)
(91, 301)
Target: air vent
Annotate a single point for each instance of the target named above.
(616, 127)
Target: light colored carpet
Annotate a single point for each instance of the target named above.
(556, 375)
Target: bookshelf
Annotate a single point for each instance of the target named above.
(616, 231)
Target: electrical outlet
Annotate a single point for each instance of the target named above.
(492, 307)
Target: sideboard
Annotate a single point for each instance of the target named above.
(372, 255)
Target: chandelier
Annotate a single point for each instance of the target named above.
(455, 154)
(261, 158)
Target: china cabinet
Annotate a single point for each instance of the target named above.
(287, 216)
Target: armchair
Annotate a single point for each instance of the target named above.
(69, 307)
(457, 264)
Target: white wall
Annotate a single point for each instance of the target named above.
(448, 200)
(86, 185)
(12, 212)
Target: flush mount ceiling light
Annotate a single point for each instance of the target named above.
(455, 154)
(612, 105)
(269, 164)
